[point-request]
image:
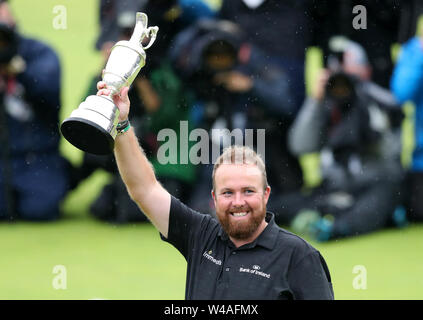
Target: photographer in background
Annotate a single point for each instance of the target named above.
(34, 176)
(237, 87)
(354, 123)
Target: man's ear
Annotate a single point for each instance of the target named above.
(267, 193)
(214, 195)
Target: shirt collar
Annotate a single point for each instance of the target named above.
(266, 239)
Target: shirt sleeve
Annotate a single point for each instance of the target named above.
(185, 226)
(310, 278)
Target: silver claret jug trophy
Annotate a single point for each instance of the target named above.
(92, 126)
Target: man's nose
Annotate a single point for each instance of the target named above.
(238, 199)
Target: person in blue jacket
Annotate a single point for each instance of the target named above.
(33, 175)
(407, 85)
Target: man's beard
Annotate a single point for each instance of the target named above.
(243, 229)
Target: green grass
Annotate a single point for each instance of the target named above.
(130, 261)
(102, 261)
(393, 260)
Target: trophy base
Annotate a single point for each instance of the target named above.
(87, 136)
(92, 127)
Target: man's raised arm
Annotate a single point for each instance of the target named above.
(136, 171)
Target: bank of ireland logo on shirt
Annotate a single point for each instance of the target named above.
(255, 269)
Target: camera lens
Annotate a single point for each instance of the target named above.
(340, 87)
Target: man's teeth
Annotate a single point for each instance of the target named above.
(239, 214)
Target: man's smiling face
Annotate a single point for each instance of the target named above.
(240, 200)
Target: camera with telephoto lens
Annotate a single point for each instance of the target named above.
(204, 49)
(341, 90)
(341, 87)
(218, 55)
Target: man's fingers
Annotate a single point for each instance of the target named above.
(103, 92)
(324, 74)
(101, 85)
(124, 92)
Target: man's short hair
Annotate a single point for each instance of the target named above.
(240, 155)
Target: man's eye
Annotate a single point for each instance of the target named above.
(249, 191)
(227, 193)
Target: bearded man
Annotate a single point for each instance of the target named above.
(241, 255)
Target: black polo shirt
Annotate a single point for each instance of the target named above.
(277, 265)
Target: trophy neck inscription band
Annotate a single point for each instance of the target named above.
(113, 89)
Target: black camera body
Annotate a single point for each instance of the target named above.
(342, 91)
(197, 51)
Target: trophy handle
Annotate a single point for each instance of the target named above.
(141, 31)
(151, 33)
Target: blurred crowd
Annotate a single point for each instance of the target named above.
(237, 64)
